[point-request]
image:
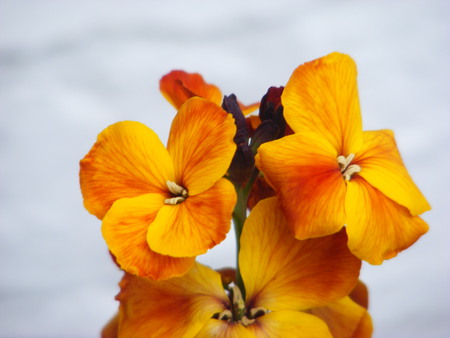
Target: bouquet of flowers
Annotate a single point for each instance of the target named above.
(309, 192)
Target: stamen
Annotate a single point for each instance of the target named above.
(180, 193)
(246, 321)
(225, 315)
(347, 169)
(258, 312)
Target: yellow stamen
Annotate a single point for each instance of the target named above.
(348, 169)
(180, 193)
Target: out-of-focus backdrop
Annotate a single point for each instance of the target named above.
(68, 69)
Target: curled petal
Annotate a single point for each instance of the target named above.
(127, 160)
(283, 273)
(179, 86)
(377, 227)
(201, 144)
(345, 318)
(125, 229)
(306, 177)
(178, 307)
(322, 97)
(383, 168)
(196, 225)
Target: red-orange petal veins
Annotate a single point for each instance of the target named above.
(125, 229)
(306, 177)
(196, 225)
(178, 307)
(321, 97)
(201, 144)
(283, 273)
(127, 160)
(382, 166)
(179, 86)
(378, 228)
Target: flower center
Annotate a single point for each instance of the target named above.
(179, 193)
(238, 311)
(348, 169)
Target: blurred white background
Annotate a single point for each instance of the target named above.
(69, 69)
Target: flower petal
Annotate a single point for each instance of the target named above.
(377, 227)
(322, 97)
(360, 294)
(110, 330)
(224, 329)
(178, 307)
(345, 318)
(305, 174)
(125, 229)
(248, 109)
(127, 160)
(178, 86)
(281, 324)
(282, 273)
(196, 225)
(382, 166)
(201, 144)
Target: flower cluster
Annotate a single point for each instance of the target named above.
(309, 192)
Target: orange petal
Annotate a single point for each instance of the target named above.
(345, 318)
(196, 225)
(322, 97)
(178, 307)
(110, 330)
(127, 160)
(305, 174)
(201, 144)
(377, 227)
(382, 166)
(248, 109)
(224, 329)
(178, 86)
(360, 294)
(281, 324)
(282, 273)
(125, 229)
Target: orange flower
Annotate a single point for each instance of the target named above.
(331, 173)
(284, 278)
(178, 86)
(162, 207)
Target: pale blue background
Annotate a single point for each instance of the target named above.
(68, 69)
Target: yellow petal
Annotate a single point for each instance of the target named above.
(196, 225)
(125, 229)
(305, 174)
(283, 273)
(178, 86)
(377, 227)
(201, 144)
(178, 307)
(345, 318)
(224, 329)
(382, 166)
(322, 97)
(127, 160)
(282, 324)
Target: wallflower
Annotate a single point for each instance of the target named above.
(283, 277)
(162, 207)
(331, 173)
(178, 86)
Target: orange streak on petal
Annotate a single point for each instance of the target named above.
(178, 307)
(196, 225)
(322, 97)
(306, 177)
(127, 160)
(125, 229)
(378, 228)
(345, 318)
(178, 86)
(201, 144)
(382, 166)
(283, 273)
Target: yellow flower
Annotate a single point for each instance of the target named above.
(178, 86)
(331, 173)
(162, 207)
(283, 277)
